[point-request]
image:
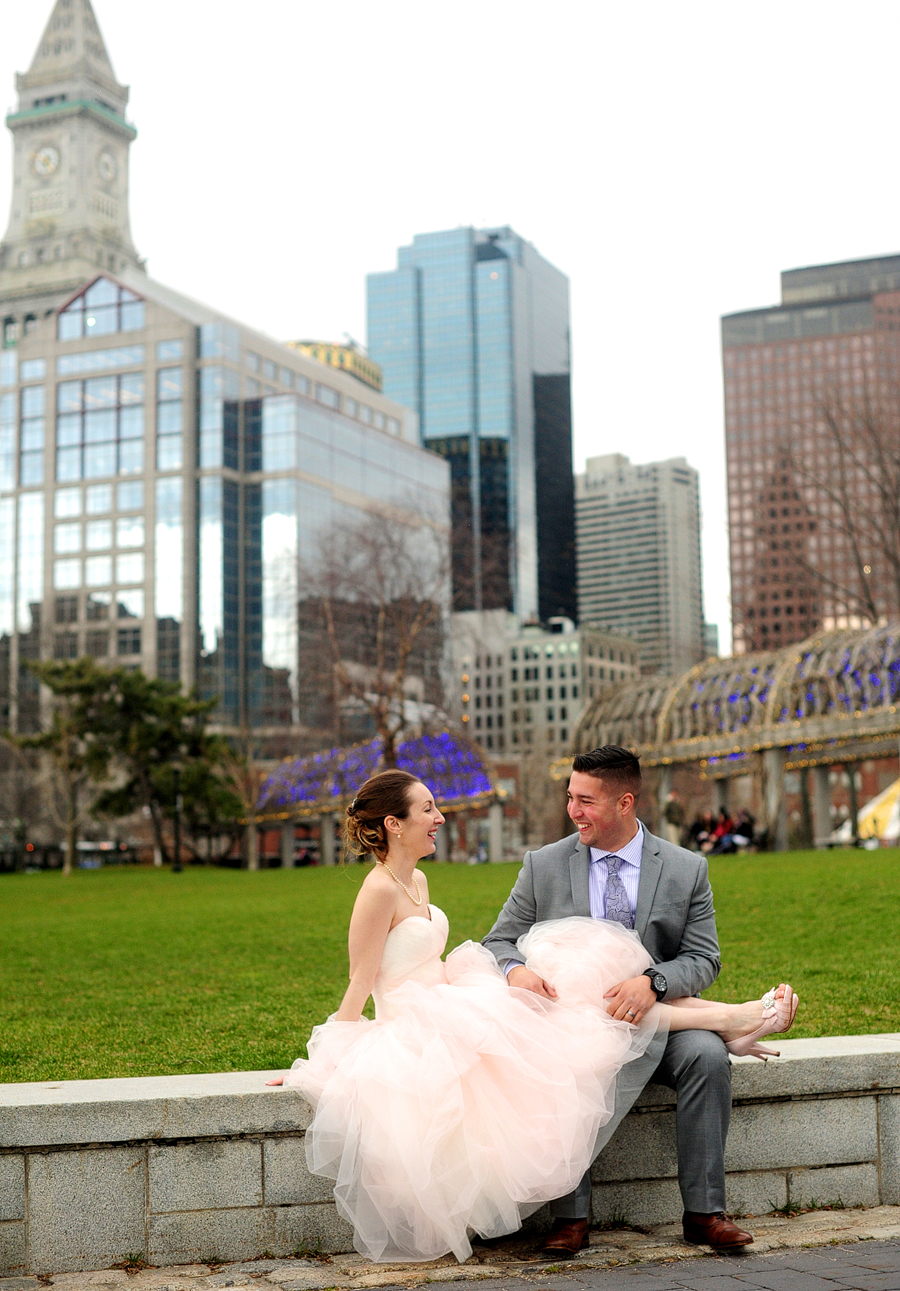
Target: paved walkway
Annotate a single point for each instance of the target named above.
(822, 1251)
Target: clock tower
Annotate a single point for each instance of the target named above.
(69, 213)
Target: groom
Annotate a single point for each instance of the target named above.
(616, 870)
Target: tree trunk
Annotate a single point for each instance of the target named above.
(71, 826)
(157, 831)
(71, 845)
(252, 844)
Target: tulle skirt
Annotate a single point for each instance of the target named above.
(471, 1104)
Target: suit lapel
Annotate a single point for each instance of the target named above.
(651, 866)
(579, 872)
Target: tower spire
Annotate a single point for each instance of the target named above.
(72, 43)
(70, 167)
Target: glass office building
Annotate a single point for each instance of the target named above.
(163, 471)
(472, 331)
(161, 480)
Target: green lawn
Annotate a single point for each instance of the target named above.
(133, 972)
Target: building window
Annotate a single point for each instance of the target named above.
(97, 571)
(330, 398)
(67, 609)
(100, 427)
(8, 420)
(128, 641)
(66, 574)
(130, 603)
(105, 308)
(169, 351)
(97, 645)
(65, 645)
(98, 607)
(169, 419)
(130, 568)
(67, 538)
(31, 436)
(97, 534)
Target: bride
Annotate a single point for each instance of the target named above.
(467, 1103)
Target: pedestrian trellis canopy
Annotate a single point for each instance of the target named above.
(832, 698)
(453, 769)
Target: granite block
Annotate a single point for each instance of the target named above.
(645, 1202)
(317, 1228)
(889, 1143)
(12, 1187)
(12, 1248)
(287, 1179)
(852, 1185)
(85, 1209)
(147, 1107)
(643, 1147)
(209, 1236)
(205, 1176)
(756, 1192)
(815, 1132)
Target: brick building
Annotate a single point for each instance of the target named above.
(831, 347)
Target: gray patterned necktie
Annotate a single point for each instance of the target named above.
(617, 906)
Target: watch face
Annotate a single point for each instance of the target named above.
(46, 160)
(106, 166)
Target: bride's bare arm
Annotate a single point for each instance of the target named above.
(370, 924)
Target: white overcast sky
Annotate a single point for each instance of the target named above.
(671, 157)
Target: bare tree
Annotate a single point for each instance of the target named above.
(845, 467)
(372, 601)
(243, 773)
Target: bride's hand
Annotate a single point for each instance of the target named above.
(278, 1081)
(526, 980)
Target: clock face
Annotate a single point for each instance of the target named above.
(106, 166)
(46, 160)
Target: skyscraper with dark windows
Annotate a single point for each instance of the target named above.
(163, 470)
(472, 331)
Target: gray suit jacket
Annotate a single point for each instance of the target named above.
(674, 919)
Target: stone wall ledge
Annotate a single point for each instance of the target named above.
(230, 1104)
(212, 1168)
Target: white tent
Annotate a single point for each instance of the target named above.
(880, 818)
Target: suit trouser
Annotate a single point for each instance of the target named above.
(696, 1065)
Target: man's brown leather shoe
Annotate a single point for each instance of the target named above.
(715, 1230)
(566, 1238)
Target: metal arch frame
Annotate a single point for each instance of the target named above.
(835, 695)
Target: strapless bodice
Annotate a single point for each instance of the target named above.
(412, 953)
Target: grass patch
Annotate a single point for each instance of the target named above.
(134, 972)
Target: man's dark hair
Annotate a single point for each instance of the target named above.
(615, 765)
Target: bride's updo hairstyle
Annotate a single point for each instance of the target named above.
(385, 794)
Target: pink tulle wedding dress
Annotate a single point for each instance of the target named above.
(467, 1104)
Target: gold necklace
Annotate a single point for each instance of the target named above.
(417, 899)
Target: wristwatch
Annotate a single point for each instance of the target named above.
(657, 981)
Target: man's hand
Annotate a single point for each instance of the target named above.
(526, 980)
(629, 1001)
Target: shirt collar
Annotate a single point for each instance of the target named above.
(630, 853)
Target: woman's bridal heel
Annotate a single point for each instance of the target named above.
(778, 1016)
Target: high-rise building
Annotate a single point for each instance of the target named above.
(833, 343)
(522, 689)
(472, 331)
(163, 470)
(638, 548)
